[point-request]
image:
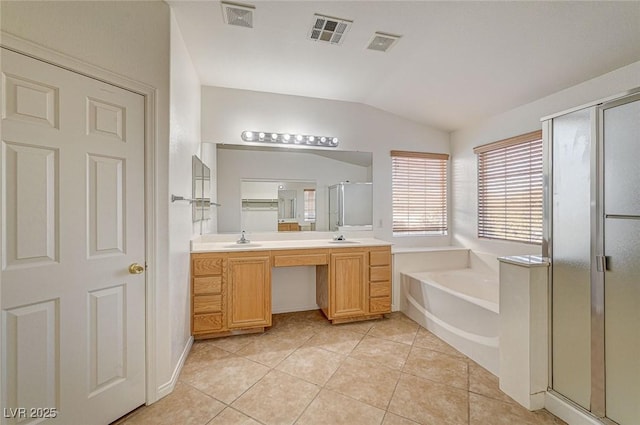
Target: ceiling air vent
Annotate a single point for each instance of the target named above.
(329, 30)
(240, 15)
(382, 41)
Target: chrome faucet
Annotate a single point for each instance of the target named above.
(243, 239)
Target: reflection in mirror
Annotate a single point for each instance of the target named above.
(244, 171)
(200, 190)
(269, 206)
(286, 205)
(350, 206)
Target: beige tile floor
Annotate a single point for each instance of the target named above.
(305, 371)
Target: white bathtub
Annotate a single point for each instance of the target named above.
(459, 306)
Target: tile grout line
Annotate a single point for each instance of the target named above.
(307, 325)
(271, 369)
(468, 393)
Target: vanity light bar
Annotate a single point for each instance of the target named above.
(289, 139)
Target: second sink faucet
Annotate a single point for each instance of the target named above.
(243, 239)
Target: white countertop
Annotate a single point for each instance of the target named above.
(268, 245)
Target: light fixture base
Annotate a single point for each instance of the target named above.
(289, 139)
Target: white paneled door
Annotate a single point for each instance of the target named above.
(72, 205)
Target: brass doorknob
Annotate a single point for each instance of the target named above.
(136, 268)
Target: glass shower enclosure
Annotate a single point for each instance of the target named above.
(350, 206)
(592, 235)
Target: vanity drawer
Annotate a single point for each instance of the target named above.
(207, 285)
(207, 303)
(380, 258)
(380, 305)
(290, 260)
(380, 289)
(207, 266)
(379, 273)
(203, 323)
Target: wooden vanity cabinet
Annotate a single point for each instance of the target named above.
(249, 290)
(348, 284)
(207, 294)
(288, 227)
(231, 291)
(356, 285)
(380, 280)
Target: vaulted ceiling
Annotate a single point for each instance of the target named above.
(455, 64)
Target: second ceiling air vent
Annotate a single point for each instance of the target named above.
(240, 15)
(382, 41)
(328, 29)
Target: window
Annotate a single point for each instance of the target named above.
(510, 189)
(309, 205)
(419, 186)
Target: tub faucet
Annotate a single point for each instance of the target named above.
(243, 239)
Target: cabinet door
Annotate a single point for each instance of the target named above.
(249, 296)
(348, 284)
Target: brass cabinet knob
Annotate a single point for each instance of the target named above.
(136, 268)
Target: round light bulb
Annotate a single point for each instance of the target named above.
(312, 139)
(323, 139)
(261, 136)
(274, 136)
(334, 141)
(298, 138)
(287, 137)
(248, 135)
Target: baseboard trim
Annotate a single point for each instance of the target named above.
(567, 412)
(167, 388)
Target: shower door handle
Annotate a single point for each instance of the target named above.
(602, 263)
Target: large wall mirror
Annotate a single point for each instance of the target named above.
(265, 189)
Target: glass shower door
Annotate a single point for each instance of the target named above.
(571, 251)
(621, 148)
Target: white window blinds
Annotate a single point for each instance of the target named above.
(309, 204)
(419, 186)
(510, 189)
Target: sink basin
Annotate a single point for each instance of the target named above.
(243, 245)
(346, 241)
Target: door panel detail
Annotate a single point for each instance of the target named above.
(106, 205)
(106, 119)
(31, 194)
(107, 360)
(31, 357)
(29, 101)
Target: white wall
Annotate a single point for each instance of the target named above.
(131, 39)
(517, 121)
(235, 165)
(228, 112)
(184, 142)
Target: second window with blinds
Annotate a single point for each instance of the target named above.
(419, 187)
(510, 189)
